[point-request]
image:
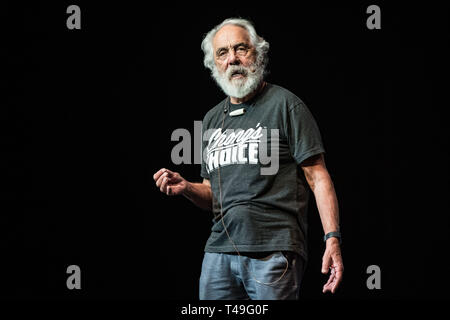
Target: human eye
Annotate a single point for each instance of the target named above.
(242, 49)
(221, 53)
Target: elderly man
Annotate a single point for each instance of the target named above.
(257, 248)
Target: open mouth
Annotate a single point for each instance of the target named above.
(238, 74)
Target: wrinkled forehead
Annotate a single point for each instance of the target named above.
(230, 35)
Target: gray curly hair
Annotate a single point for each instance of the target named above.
(261, 45)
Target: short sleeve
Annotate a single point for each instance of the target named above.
(204, 173)
(303, 134)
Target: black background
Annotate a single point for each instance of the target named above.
(86, 119)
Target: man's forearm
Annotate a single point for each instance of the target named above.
(200, 194)
(327, 203)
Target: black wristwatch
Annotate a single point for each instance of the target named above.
(335, 234)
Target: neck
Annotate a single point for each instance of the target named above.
(261, 86)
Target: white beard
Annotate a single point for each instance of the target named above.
(241, 87)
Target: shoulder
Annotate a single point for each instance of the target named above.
(285, 98)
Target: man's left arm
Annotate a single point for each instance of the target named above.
(322, 186)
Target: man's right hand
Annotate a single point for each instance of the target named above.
(169, 182)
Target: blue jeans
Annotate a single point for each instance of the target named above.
(232, 277)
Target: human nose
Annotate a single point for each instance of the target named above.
(232, 58)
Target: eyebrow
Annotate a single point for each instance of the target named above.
(235, 46)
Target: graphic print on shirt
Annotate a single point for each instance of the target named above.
(239, 147)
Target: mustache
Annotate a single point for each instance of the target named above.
(233, 70)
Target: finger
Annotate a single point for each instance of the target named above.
(170, 173)
(326, 263)
(331, 280)
(173, 177)
(159, 173)
(160, 179)
(327, 286)
(338, 270)
(338, 280)
(334, 286)
(164, 182)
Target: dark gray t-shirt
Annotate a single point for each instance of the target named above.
(262, 212)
